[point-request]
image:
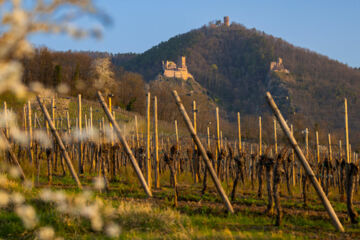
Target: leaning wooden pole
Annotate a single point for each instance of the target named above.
(203, 152)
(12, 155)
(125, 145)
(59, 142)
(302, 159)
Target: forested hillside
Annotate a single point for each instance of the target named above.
(233, 64)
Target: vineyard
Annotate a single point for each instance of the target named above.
(75, 169)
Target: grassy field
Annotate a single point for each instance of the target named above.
(197, 217)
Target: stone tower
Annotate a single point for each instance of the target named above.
(183, 62)
(226, 21)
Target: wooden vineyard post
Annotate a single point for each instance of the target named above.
(60, 143)
(68, 124)
(53, 111)
(340, 150)
(317, 147)
(25, 114)
(329, 147)
(196, 159)
(239, 132)
(177, 134)
(6, 123)
(137, 132)
(91, 118)
(307, 143)
(260, 137)
(156, 149)
(148, 159)
(293, 159)
(346, 132)
(12, 155)
(30, 132)
(275, 138)
(203, 152)
(125, 145)
(80, 132)
(305, 164)
(217, 135)
(208, 138)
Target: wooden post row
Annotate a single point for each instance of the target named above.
(305, 164)
(203, 152)
(60, 143)
(125, 145)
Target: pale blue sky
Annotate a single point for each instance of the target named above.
(329, 27)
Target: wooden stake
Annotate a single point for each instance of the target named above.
(12, 155)
(177, 134)
(91, 117)
(275, 138)
(340, 150)
(217, 130)
(30, 132)
(53, 111)
(307, 143)
(329, 147)
(317, 147)
(208, 138)
(80, 132)
(137, 132)
(125, 145)
(305, 164)
(260, 137)
(203, 152)
(6, 123)
(239, 132)
(293, 159)
(346, 132)
(60, 143)
(148, 152)
(156, 141)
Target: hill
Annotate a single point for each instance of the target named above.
(233, 64)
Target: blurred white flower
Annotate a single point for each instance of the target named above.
(28, 215)
(3, 180)
(42, 138)
(46, 233)
(46, 195)
(14, 172)
(63, 88)
(4, 198)
(96, 223)
(19, 136)
(28, 184)
(17, 198)
(112, 230)
(99, 183)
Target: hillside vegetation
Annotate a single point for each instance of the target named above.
(233, 64)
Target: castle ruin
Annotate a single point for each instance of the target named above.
(227, 21)
(278, 66)
(173, 71)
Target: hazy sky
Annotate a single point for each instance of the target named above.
(329, 27)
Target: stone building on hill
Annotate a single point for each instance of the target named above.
(173, 71)
(278, 66)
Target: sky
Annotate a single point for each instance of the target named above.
(328, 27)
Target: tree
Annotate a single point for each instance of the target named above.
(57, 75)
(103, 75)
